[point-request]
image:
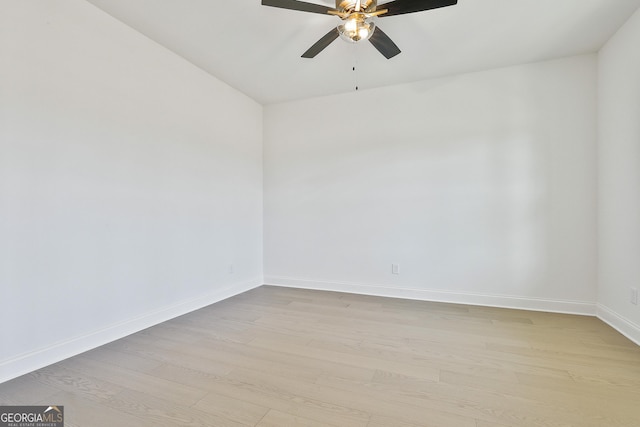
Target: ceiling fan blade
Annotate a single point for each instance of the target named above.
(400, 7)
(384, 44)
(298, 5)
(321, 44)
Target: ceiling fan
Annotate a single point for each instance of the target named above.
(357, 20)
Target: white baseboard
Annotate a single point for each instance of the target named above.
(25, 363)
(622, 325)
(617, 322)
(504, 301)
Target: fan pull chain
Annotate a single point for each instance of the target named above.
(355, 66)
(355, 79)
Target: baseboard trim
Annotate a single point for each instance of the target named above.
(504, 301)
(627, 328)
(620, 324)
(28, 362)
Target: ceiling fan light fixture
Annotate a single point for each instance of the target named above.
(356, 28)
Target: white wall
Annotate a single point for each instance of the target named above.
(619, 178)
(480, 186)
(129, 182)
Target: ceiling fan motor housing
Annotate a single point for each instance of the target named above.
(350, 5)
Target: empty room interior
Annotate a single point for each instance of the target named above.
(213, 215)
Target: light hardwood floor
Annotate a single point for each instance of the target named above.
(275, 357)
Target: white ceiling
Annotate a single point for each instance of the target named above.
(257, 49)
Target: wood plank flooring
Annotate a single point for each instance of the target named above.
(275, 357)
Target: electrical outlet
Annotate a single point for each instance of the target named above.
(230, 268)
(634, 296)
(395, 269)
